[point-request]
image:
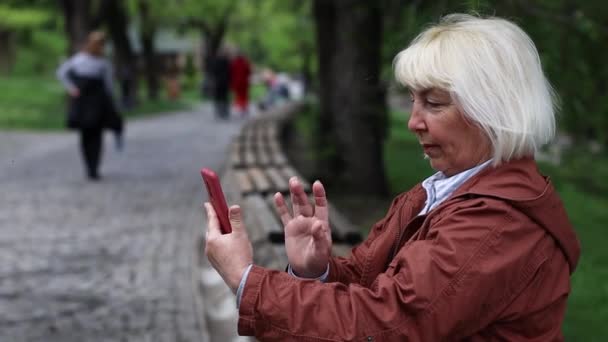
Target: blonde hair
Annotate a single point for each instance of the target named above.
(95, 43)
(493, 72)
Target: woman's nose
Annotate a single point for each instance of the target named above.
(416, 121)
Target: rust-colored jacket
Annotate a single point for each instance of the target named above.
(492, 262)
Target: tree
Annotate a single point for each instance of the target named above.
(357, 102)
(16, 19)
(210, 18)
(114, 14)
(147, 31)
(276, 33)
(77, 19)
(325, 19)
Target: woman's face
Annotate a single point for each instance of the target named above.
(450, 142)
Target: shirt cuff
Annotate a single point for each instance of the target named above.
(239, 291)
(321, 278)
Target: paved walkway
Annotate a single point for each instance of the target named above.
(107, 261)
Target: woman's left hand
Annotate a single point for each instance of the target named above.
(229, 254)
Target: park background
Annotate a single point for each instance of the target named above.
(353, 132)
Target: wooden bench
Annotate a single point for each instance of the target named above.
(257, 168)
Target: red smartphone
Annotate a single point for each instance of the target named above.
(216, 197)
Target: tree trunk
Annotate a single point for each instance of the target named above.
(329, 160)
(360, 115)
(6, 52)
(77, 19)
(147, 41)
(212, 41)
(114, 14)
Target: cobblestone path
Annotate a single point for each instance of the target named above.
(113, 260)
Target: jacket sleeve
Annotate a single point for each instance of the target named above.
(436, 289)
(349, 269)
(62, 74)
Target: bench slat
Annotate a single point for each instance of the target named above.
(235, 156)
(244, 182)
(249, 155)
(263, 156)
(280, 182)
(276, 154)
(344, 229)
(289, 172)
(260, 180)
(259, 222)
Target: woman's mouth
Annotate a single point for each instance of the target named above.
(429, 148)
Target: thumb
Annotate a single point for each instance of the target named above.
(236, 219)
(317, 230)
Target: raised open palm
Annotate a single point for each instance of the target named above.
(307, 232)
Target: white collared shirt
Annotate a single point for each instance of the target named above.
(439, 187)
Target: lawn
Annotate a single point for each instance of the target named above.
(31, 103)
(38, 103)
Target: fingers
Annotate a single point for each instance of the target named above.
(281, 207)
(299, 200)
(213, 224)
(321, 235)
(317, 230)
(321, 207)
(236, 218)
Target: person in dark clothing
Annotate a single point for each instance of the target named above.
(126, 77)
(220, 72)
(87, 77)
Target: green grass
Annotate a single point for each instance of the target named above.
(31, 103)
(588, 303)
(39, 103)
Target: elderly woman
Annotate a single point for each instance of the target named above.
(481, 250)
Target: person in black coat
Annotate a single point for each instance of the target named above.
(87, 77)
(220, 72)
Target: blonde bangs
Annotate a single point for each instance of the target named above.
(423, 65)
(493, 71)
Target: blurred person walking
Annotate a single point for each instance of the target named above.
(240, 71)
(220, 73)
(87, 77)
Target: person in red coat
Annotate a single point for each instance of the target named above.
(240, 70)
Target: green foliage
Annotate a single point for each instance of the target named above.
(275, 33)
(567, 39)
(16, 18)
(191, 75)
(42, 43)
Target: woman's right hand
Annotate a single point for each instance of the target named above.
(307, 232)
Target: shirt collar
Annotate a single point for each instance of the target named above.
(438, 187)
